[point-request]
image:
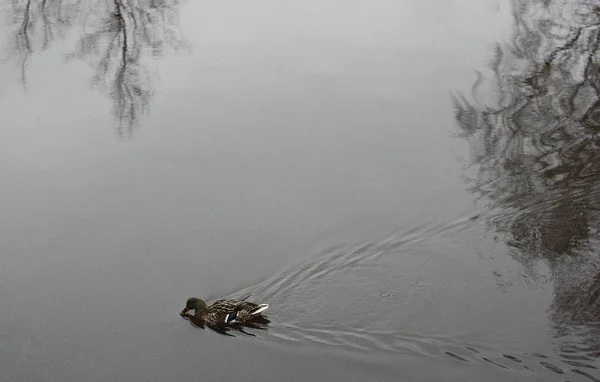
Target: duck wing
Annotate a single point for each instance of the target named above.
(230, 311)
(224, 311)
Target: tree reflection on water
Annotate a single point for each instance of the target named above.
(113, 36)
(534, 129)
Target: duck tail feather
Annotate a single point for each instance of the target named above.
(258, 310)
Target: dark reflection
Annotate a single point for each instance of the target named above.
(259, 323)
(535, 140)
(113, 36)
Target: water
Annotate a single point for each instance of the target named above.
(410, 185)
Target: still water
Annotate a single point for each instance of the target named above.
(413, 186)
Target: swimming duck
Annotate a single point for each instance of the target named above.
(224, 311)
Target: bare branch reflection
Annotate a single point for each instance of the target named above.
(33, 25)
(115, 38)
(534, 128)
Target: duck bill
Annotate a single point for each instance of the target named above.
(184, 312)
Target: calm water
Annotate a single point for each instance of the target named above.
(413, 186)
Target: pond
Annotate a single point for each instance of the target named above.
(413, 187)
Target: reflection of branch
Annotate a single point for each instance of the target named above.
(120, 67)
(581, 302)
(119, 80)
(537, 147)
(115, 33)
(126, 108)
(25, 43)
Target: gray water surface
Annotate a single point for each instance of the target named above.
(412, 187)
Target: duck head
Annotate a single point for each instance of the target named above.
(196, 304)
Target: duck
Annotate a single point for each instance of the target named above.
(224, 312)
